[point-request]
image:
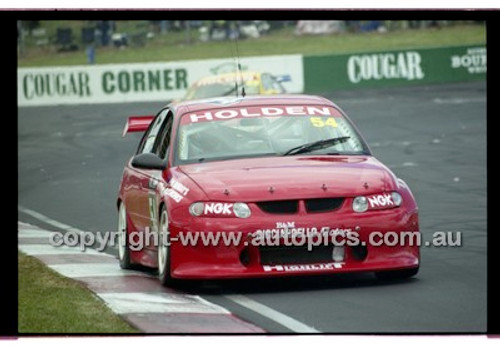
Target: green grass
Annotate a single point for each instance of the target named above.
(50, 303)
(172, 46)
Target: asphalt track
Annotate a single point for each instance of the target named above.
(70, 160)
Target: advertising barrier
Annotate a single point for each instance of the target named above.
(142, 82)
(394, 68)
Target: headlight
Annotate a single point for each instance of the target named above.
(241, 210)
(378, 201)
(396, 198)
(196, 209)
(360, 204)
(220, 209)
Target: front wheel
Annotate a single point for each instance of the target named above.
(123, 248)
(164, 250)
(399, 274)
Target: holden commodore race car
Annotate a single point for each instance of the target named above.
(261, 186)
(225, 84)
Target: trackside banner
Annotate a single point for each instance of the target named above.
(310, 74)
(110, 83)
(394, 68)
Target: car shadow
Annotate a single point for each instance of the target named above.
(286, 284)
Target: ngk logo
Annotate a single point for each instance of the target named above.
(218, 208)
(380, 201)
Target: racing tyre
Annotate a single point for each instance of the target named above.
(164, 250)
(123, 247)
(399, 274)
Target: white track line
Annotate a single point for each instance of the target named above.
(48, 220)
(458, 100)
(272, 314)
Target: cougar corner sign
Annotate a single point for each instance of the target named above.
(137, 82)
(100, 84)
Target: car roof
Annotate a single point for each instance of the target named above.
(182, 107)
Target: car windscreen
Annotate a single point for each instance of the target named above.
(241, 133)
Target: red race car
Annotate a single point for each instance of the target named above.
(261, 186)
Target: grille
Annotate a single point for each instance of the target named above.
(279, 207)
(320, 205)
(315, 205)
(294, 254)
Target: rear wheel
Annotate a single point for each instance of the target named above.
(164, 250)
(123, 248)
(399, 274)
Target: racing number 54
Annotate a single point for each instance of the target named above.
(318, 122)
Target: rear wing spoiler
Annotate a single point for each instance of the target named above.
(137, 124)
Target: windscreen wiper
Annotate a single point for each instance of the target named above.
(317, 145)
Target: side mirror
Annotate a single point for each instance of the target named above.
(148, 161)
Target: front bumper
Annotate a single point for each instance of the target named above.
(241, 261)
